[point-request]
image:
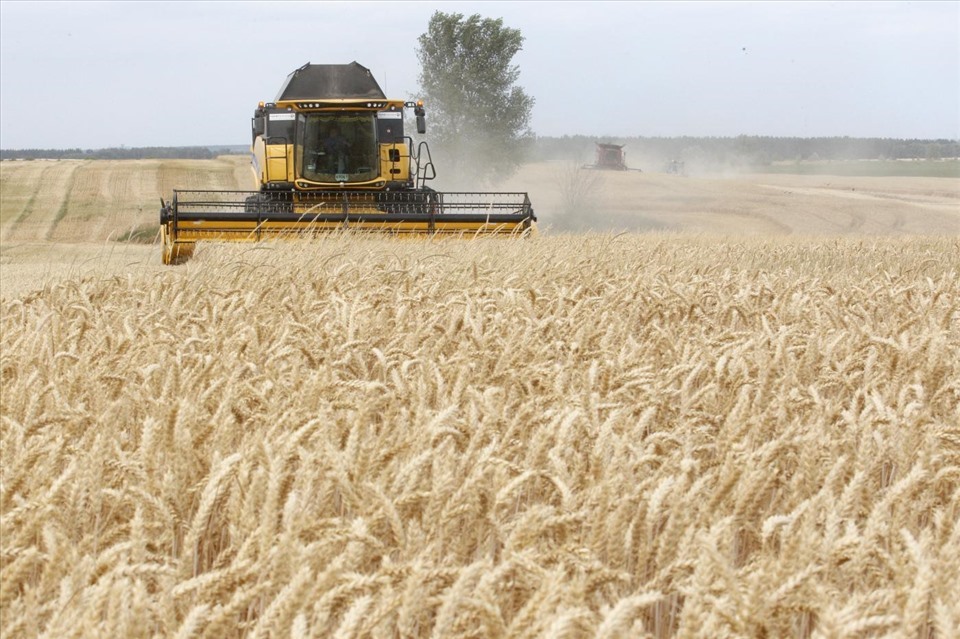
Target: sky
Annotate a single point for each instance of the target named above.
(106, 74)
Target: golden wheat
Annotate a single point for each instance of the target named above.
(571, 436)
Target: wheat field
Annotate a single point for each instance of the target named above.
(597, 435)
(71, 201)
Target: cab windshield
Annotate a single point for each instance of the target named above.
(339, 147)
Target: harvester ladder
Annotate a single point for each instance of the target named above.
(427, 171)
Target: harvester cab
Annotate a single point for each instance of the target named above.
(330, 153)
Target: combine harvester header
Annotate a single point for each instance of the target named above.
(330, 153)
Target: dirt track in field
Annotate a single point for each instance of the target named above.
(63, 218)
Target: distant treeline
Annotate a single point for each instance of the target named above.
(748, 149)
(123, 153)
(743, 149)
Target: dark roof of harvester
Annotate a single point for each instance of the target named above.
(330, 81)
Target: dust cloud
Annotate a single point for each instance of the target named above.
(569, 198)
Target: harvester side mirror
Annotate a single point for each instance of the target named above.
(421, 124)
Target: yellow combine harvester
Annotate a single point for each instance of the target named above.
(330, 153)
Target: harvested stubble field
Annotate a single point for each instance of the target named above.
(594, 435)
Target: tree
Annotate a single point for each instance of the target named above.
(478, 117)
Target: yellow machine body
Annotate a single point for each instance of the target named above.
(330, 154)
(283, 161)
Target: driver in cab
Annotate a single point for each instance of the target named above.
(334, 142)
